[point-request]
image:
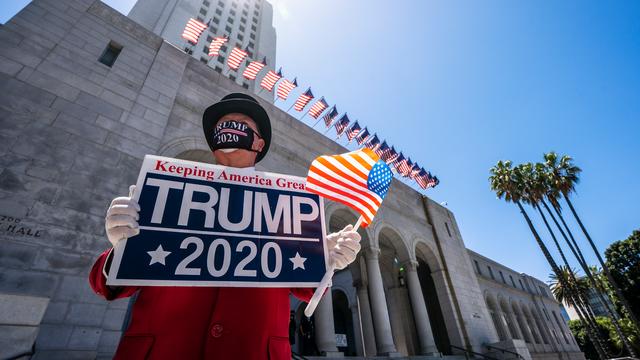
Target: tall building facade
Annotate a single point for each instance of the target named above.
(86, 92)
(248, 23)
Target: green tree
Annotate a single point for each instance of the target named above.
(623, 261)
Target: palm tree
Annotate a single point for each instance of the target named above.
(507, 182)
(563, 176)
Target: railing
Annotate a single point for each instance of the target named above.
(504, 351)
(472, 353)
(296, 356)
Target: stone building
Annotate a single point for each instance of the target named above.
(86, 92)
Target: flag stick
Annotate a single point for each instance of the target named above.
(290, 107)
(324, 283)
(316, 123)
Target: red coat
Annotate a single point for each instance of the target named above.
(203, 322)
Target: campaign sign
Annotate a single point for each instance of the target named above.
(210, 225)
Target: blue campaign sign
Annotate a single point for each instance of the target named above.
(210, 225)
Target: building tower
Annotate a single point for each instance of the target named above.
(248, 23)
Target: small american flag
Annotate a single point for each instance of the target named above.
(252, 70)
(193, 30)
(285, 88)
(382, 149)
(403, 165)
(353, 131)
(390, 155)
(318, 107)
(415, 171)
(373, 142)
(426, 180)
(216, 44)
(362, 136)
(236, 57)
(269, 80)
(342, 124)
(330, 116)
(303, 100)
(397, 163)
(358, 179)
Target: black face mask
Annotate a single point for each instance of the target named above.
(233, 135)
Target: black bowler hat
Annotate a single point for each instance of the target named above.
(243, 104)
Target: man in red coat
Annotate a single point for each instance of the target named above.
(211, 322)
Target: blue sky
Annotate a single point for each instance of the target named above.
(460, 85)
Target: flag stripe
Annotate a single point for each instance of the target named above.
(345, 189)
(350, 171)
(321, 189)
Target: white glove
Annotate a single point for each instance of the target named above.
(343, 247)
(122, 217)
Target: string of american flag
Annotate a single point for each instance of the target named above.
(364, 137)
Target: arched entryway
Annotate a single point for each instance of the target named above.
(343, 323)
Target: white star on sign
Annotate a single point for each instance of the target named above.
(158, 255)
(298, 261)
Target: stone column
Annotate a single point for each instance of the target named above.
(325, 329)
(382, 325)
(420, 315)
(357, 331)
(367, 321)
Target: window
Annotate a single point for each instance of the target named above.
(246, 4)
(521, 286)
(221, 59)
(542, 291)
(230, 20)
(206, 3)
(256, 13)
(253, 27)
(448, 231)
(245, 13)
(219, 11)
(250, 53)
(203, 11)
(243, 20)
(253, 36)
(502, 277)
(204, 60)
(491, 272)
(245, 85)
(188, 50)
(218, 69)
(205, 49)
(232, 77)
(110, 53)
(234, 4)
(221, 3)
(240, 37)
(213, 30)
(200, 18)
(216, 20)
(241, 28)
(232, 12)
(255, 20)
(477, 267)
(227, 29)
(209, 39)
(223, 48)
(250, 45)
(512, 282)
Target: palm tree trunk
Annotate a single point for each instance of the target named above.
(595, 339)
(585, 268)
(578, 295)
(605, 268)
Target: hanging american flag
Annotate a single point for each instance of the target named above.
(407, 168)
(269, 80)
(353, 131)
(236, 57)
(254, 67)
(362, 136)
(342, 124)
(193, 30)
(373, 142)
(415, 171)
(216, 44)
(285, 88)
(330, 116)
(303, 100)
(397, 163)
(424, 179)
(403, 165)
(382, 149)
(390, 155)
(358, 179)
(318, 107)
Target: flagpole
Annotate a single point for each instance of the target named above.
(291, 107)
(324, 283)
(316, 123)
